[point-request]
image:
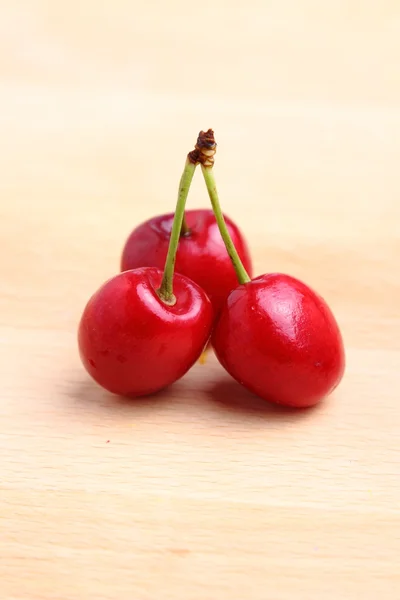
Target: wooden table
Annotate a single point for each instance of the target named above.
(202, 493)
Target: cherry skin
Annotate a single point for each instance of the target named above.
(132, 343)
(201, 254)
(280, 340)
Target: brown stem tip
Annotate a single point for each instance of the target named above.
(204, 150)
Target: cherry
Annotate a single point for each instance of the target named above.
(144, 328)
(201, 254)
(275, 335)
(278, 338)
(132, 342)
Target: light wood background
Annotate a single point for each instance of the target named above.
(202, 493)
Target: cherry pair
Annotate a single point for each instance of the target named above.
(273, 334)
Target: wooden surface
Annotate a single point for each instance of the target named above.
(202, 493)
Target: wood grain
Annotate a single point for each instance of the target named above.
(201, 493)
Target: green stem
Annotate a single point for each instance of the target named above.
(166, 288)
(230, 247)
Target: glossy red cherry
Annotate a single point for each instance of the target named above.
(132, 343)
(279, 339)
(201, 254)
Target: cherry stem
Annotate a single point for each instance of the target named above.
(166, 292)
(209, 178)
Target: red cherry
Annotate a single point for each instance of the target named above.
(132, 343)
(279, 339)
(201, 254)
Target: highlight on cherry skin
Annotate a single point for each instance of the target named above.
(133, 343)
(201, 254)
(280, 340)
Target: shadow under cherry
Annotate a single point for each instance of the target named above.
(85, 392)
(228, 395)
